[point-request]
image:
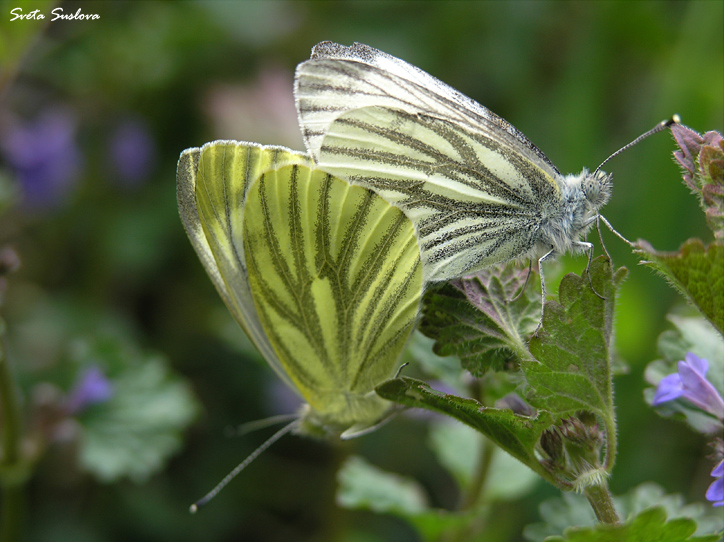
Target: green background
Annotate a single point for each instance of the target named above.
(108, 256)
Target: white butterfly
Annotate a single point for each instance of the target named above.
(476, 189)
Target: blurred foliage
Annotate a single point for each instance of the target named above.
(570, 509)
(93, 116)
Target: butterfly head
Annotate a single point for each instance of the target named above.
(597, 187)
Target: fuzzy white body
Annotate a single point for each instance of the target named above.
(564, 225)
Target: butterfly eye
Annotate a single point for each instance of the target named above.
(597, 188)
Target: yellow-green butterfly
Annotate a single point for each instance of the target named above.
(325, 278)
(477, 190)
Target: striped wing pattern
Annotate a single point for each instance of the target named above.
(325, 278)
(337, 279)
(474, 186)
(212, 185)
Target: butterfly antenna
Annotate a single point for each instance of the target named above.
(249, 427)
(241, 466)
(663, 125)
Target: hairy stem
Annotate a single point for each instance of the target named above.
(602, 503)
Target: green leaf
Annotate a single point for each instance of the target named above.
(365, 487)
(570, 509)
(648, 495)
(135, 432)
(571, 370)
(696, 271)
(559, 513)
(516, 434)
(649, 526)
(473, 318)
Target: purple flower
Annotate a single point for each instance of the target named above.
(92, 387)
(132, 152)
(690, 383)
(715, 493)
(44, 156)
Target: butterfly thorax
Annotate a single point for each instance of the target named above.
(566, 221)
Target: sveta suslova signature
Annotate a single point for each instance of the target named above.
(57, 13)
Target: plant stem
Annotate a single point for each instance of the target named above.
(602, 503)
(12, 512)
(611, 443)
(12, 479)
(472, 499)
(481, 475)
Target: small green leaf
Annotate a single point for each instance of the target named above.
(571, 370)
(473, 318)
(559, 513)
(365, 487)
(648, 495)
(696, 271)
(570, 509)
(516, 434)
(134, 432)
(649, 526)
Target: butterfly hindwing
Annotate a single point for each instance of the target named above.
(213, 183)
(336, 276)
(324, 277)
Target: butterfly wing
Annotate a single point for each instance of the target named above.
(324, 277)
(336, 277)
(472, 184)
(212, 186)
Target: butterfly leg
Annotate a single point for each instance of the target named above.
(543, 258)
(608, 225)
(525, 285)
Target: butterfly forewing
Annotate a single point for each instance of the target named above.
(474, 186)
(337, 279)
(338, 79)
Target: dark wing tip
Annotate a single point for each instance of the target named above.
(327, 49)
(336, 51)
